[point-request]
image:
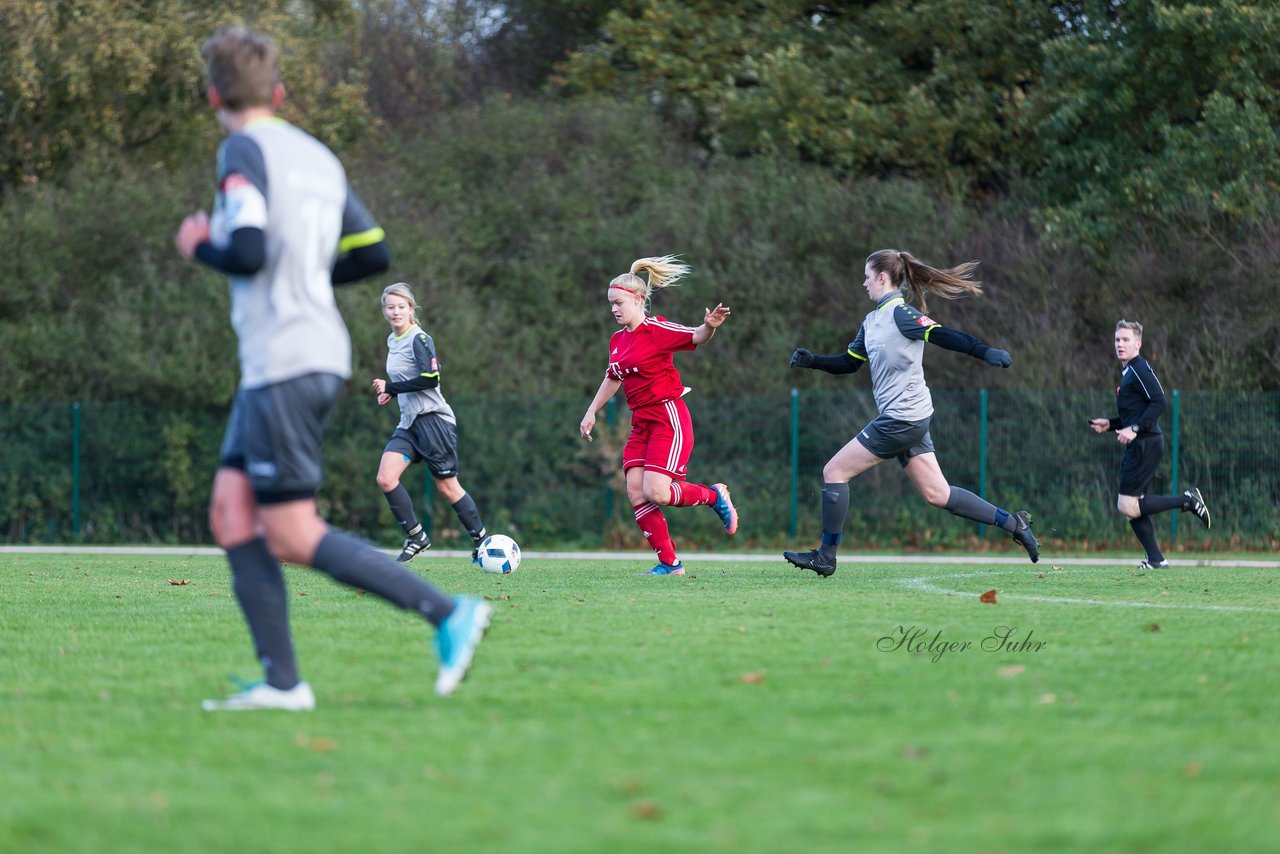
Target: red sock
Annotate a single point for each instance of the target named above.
(691, 494)
(654, 525)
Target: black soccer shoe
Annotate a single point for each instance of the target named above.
(812, 559)
(1198, 506)
(1022, 535)
(413, 545)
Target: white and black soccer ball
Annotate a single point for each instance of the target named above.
(499, 553)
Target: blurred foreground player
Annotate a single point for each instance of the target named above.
(286, 227)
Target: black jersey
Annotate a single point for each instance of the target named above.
(1139, 398)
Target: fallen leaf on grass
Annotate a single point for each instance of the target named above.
(1154, 627)
(646, 810)
(751, 678)
(1011, 670)
(988, 598)
(178, 583)
(1192, 770)
(1048, 699)
(320, 744)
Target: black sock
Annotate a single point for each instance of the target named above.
(835, 507)
(469, 516)
(258, 584)
(357, 564)
(1149, 504)
(966, 505)
(1147, 536)
(402, 508)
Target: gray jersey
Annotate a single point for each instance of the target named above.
(410, 356)
(892, 339)
(274, 177)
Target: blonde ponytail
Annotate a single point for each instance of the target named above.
(662, 271)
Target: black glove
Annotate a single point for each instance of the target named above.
(997, 358)
(801, 358)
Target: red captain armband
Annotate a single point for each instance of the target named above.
(925, 320)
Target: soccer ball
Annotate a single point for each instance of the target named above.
(499, 553)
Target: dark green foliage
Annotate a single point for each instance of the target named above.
(509, 216)
(1164, 112)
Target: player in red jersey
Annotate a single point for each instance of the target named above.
(640, 363)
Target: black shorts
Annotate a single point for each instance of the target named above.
(275, 433)
(1141, 458)
(430, 438)
(888, 438)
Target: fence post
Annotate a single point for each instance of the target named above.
(75, 469)
(1173, 475)
(610, 419)
(982, 454)
(794, 512)
(425, 516)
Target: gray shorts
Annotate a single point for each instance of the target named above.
(888, 438)
(430, 438)
(275, 433)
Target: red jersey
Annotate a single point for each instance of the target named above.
(641, 360)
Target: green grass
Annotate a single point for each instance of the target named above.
(745, 707)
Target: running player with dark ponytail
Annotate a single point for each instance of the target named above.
(892, 338)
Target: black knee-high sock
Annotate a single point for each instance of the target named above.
(469, 516)
(1147, 536)
(835, 507)
(259, 587)
(1149, 504)
(402, 508)
(963, 503)
(357, 564)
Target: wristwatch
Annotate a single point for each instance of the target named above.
(1135, 429)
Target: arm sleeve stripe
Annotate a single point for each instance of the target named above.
(929, 330)
(1153, 376)
(855, 355)
(429, 376)
(667, 324)
(361, 239)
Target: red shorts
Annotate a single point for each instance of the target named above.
(661, 439)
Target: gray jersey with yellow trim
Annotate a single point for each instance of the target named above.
(410, 356)
(892, 339)
(277, 178)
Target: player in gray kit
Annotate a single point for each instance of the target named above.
(286, 227)
(427, 430)
(892, 339)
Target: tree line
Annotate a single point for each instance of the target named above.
(1102, 159)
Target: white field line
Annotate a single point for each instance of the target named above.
(925, 584)
(691, 557)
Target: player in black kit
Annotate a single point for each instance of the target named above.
(1140, 400)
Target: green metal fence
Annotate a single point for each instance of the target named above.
(126, 473)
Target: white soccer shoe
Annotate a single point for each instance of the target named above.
(260, 695)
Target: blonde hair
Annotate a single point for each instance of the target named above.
(1133, 325)
(401, 289)
(662, 271)
(906, 271)
(243, 66)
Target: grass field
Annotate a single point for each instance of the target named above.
(746, 707)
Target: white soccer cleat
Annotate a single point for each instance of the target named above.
(260, 695)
